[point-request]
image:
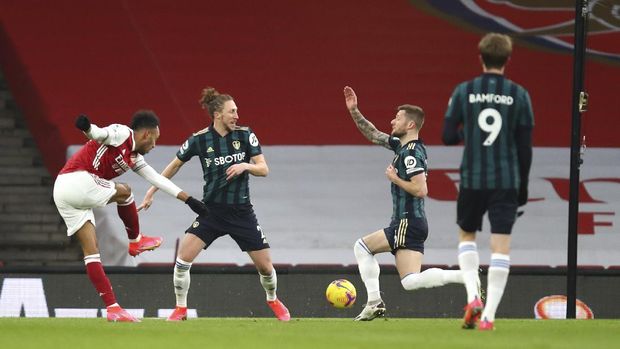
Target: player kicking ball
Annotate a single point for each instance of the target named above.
(85, 183)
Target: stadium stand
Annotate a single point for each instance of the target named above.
(31, 232)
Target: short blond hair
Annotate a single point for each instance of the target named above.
(414, 113)
(495, 49)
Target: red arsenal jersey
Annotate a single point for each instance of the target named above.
(105, 160)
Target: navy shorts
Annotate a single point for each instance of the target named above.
(238, 221)
(407, 233)
(501, 204)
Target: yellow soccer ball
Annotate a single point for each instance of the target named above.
(341, 293)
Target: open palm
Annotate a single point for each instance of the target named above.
(350, 98)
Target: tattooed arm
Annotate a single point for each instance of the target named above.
(366, 127)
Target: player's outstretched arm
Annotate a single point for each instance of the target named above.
(113, 135)
(366, 127)
(163, 183)
(91, 131)
(169, 172)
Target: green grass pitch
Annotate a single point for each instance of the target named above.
(317, 333)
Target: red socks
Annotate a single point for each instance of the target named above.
(129, 216)
(97, 277)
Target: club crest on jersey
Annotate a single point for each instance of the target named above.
(236, 145)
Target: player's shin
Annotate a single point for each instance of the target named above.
(496, 279)
(469, 262)
(97, 277)
(433, 277)
(129, 215)
(181, 280)
(369, 270)
(270, 284)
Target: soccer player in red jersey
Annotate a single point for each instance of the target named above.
(85, 182)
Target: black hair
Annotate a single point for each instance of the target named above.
(144, 119)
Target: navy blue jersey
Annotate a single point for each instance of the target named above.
(491, 109)
(410, 160)
(216, 154)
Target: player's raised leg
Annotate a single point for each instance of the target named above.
(269, 281)
(409, 262)
(96, 274)
(365, 250)
(126, 208)
(191, 245)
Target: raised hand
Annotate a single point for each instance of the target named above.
(82, 123)
(147, 202)
(350, 98)
(366, 127)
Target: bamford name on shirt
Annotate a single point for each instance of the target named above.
(490, 98)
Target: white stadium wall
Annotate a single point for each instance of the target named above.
(317, 200)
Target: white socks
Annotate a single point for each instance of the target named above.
(181, 280)
(469, 262)
(432, 277)
(369, 270)
(270, 284)
(497, 278)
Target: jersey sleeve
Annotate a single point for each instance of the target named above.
(253, 144)
(114, 135)
(526, 114)
(394, 143)
(454, 112)
(188, 149)
(414, 163)
(138, 163)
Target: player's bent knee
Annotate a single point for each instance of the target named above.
(266, 271)
(123, 192)
(410, 282)
(126, 188)
(360, 248)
